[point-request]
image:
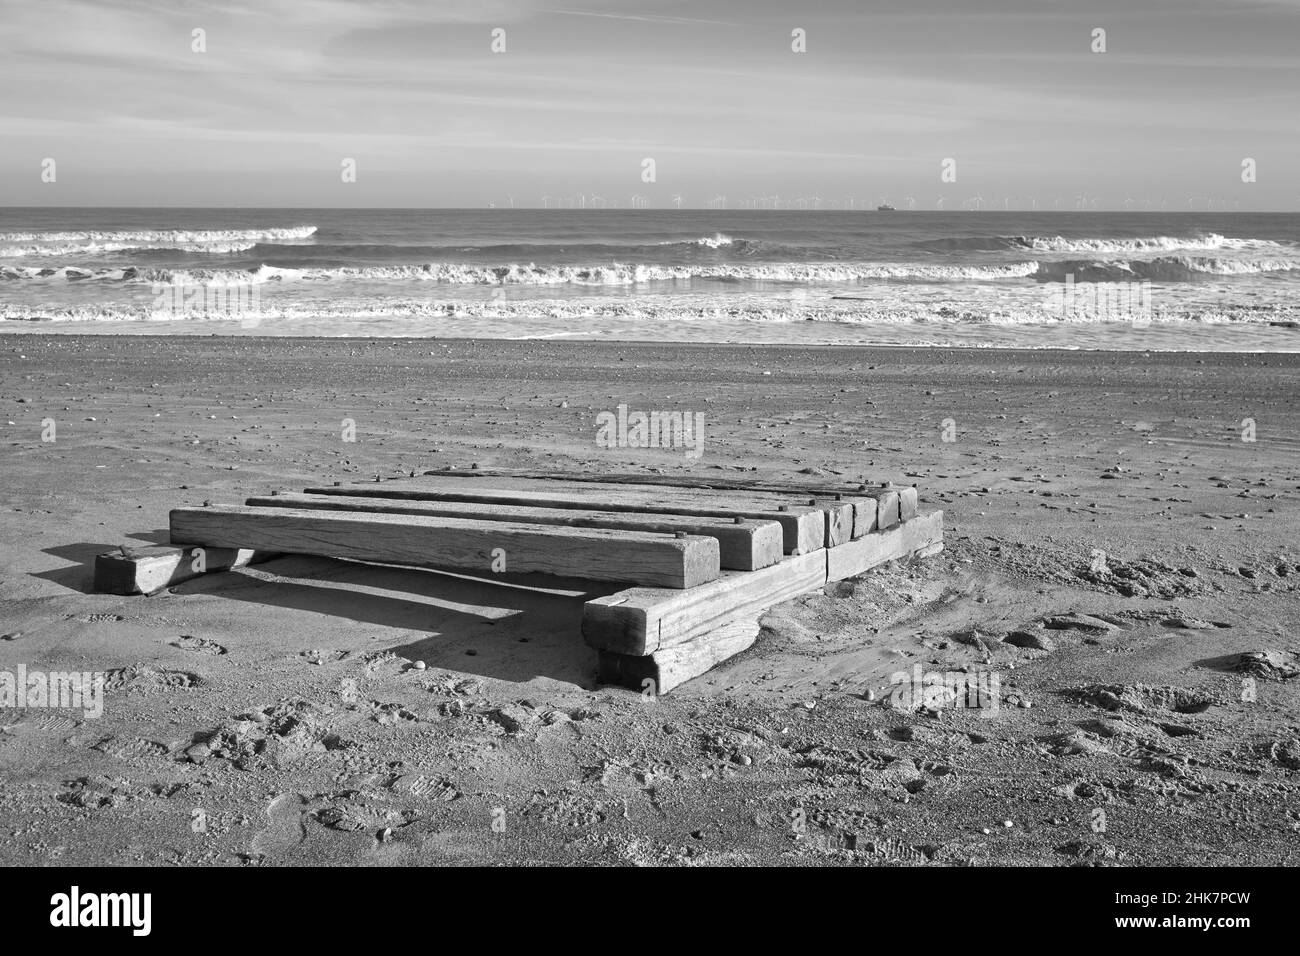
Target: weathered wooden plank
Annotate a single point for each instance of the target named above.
(743, 544)
(803, 527)
(703, 482)
(840, 510)
(839, 520)
(886, 510)
(640, 621)
(145, 570)
(596, 554)
(864, 516)
(666, 669)
(856, 557)
(616, 624)
(907, 504)
(862, 497)
(840, 513)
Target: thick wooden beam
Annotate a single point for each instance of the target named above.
(839, 520)
(864, 516)
(907, 503)
(803, 527)
(596, 554)
(799, 487)
(887, 514)
(640, 621)
(696, 636)
(744, 544)
(660, 672)
(918, 535)
(145, 570)
(862, 497)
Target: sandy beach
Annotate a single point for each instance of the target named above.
(1136, 508)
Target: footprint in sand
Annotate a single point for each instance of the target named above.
(201, 645)
(286, 829)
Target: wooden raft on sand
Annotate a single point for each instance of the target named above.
(702, 558)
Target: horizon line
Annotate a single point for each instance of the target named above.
(675, 209)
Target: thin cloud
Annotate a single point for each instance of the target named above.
(646, 17)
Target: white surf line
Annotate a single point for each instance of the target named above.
(541, 335)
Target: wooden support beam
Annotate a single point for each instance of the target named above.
(146, 570)
(907, 504)
(839, 520)
(864, 516)
(640, 621)
(803, 527)
(863, 497)
(886, 510)
(696, 635)
(920, 534)
(744, 544)
(816, 487)
(660, 672)
(596, 554)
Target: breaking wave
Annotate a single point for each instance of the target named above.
(716, 241)
(1163, 269)
(45, 249)
(1210, 242)
(614, 274)
(345, 312)
(165, 235)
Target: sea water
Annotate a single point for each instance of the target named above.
(1130, 280)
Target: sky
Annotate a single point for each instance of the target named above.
(712, 91)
